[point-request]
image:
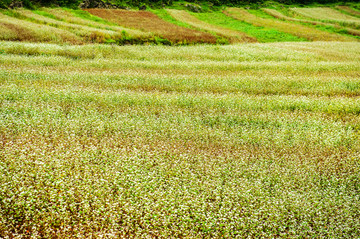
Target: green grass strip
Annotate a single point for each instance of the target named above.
(163, 14)
(87, 16)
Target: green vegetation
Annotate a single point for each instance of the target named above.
(261, 19)
(170, 26)
(223, 32)
(333, 27)
(260, 33)
(163, 14)
(247, 140)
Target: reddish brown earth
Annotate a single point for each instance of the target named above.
(149, 22)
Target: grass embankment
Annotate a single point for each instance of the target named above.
(256, 140)
(150, 22)
(299, 30)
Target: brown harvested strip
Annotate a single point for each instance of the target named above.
(349, 10)
(291, 28)
(281, 16)
(233, 36)
(149, 22)
(22, 30)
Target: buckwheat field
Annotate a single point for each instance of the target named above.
(252, 140)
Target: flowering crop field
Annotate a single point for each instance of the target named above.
(251, 140)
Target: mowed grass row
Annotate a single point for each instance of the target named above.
(107, 141)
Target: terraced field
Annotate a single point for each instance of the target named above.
(247, 140)
(306, 32)
(280, 15)
(329, 14)
(172, 27)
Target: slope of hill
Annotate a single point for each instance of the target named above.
(173, 26)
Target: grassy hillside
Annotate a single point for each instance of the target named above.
(252, 140)
(179, 26)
